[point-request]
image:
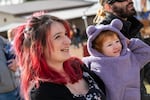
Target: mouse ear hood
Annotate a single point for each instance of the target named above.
(90, 30)
(93, 31)
(116, 23)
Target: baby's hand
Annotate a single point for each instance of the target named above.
(127, 41)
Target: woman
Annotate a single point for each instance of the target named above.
(48, 70)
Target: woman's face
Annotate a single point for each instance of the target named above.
(112, 46)
(60, 44)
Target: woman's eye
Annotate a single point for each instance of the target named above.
(66, 33)
(57, 37)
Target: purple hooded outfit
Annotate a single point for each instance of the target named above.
(121, 75)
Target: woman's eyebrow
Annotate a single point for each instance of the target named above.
(56, 34)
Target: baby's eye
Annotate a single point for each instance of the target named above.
(117, 41)
(109, 45)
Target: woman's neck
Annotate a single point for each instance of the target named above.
(56, 66)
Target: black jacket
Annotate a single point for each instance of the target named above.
(131, 27)
(52, 91)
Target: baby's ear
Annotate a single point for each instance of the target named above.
(90, 30)
(116, 23)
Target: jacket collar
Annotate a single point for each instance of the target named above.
(131, 26)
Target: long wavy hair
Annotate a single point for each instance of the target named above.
(101, 13)
(29, 43)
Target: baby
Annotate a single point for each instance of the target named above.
(116, 60)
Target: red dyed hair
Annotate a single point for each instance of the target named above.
(29, 43)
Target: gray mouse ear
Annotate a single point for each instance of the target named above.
(117, 24)
(90, 30)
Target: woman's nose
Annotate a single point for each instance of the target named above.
(67, 40)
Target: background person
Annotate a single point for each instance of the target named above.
(123, 10)
(10, 54)
(8, 84)
(76, 38)
(48, 71)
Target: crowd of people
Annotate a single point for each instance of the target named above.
(36, 63)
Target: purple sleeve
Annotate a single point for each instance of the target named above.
(141, 50)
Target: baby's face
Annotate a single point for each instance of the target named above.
(111, 46)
